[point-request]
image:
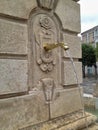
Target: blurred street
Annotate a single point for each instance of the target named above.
(89, 84)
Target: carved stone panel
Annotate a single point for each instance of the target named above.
(66, 101)
(13, 76)
(69, 75)
(69, 13)
(45, 33)
(13, 37)
(48, 88)
(43, 64)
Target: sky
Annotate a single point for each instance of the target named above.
(89, 14)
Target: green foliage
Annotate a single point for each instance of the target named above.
(88, 55)
(97, 51)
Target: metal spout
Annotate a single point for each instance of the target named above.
(48, 46)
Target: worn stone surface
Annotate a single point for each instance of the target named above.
(21, 8)
(93, 127)
(13, 37)
(26, 66)
(80, 123)
(63, 103)
(73, 121)
(13, 76)
(68, 73)
(69, 13)
(19, 112)
(74, 45)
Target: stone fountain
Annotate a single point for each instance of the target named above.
(38, 87)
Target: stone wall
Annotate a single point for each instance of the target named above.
(34, 88)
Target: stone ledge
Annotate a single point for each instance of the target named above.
(65, 123)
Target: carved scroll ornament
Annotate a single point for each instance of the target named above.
(45, 32)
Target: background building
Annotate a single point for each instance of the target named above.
(90, 36)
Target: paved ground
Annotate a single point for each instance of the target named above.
(89, 84)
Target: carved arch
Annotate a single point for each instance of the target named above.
(43, 27)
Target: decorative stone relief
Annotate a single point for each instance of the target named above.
(49, 4)
(48, 88)
(43, 64)
(43, 33)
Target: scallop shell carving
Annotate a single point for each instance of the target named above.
(49, 4)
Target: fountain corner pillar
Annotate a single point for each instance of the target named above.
(39, 88)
